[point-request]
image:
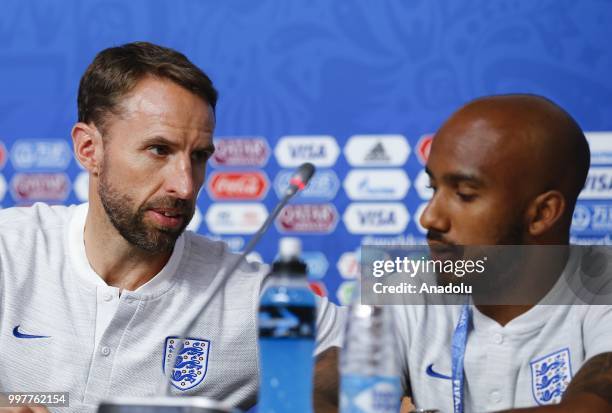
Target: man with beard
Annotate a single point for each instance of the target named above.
(94, 296)
(507, 170)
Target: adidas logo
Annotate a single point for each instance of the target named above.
(377, 153)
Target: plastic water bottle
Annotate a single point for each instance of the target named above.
(369, 371)
(287, 317)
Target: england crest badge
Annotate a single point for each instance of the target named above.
(191, 362)
(550, 376)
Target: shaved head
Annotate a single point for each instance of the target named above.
(506, 170)
(553, 147)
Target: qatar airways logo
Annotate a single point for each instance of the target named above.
(238, 185)
(307, 218)
(40, 187)
(251, 151)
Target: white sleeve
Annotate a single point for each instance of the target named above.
(597, 330)
(331, 321)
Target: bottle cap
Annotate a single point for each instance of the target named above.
(289, 251)
(289, 248)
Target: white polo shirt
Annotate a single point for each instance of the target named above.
(62, 328)
(528, 362)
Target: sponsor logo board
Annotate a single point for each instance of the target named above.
(317, 264)
(307, 219)
(3, 155)
(81, 186)
(376, 218)
(294, 150)
(423, 147)
(592, 218)
(421, 184)
(240, 151)
(2, 187)
(235, 218)
(251, 185)
(348, 265)
(318, 288)
(196, 220)
(600, 144)
(39, 154)
(376, 184)
(377, 150)
(417, 218)
(598, 184)
(30, 187)
(324, 185)
(345, 292)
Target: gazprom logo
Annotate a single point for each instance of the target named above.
(41, 154)
(324, 185)
(598, 184)
(376, 184)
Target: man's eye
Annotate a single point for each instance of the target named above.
(466, 197)
(201, 156)
(158, 150)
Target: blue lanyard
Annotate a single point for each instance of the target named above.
(457, 353)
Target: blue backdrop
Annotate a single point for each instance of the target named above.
(330, 68)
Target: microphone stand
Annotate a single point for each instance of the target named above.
(167, 402)
(298, 182)
(220, 281)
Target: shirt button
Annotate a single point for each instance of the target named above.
(498, 338)
(105, 351)
(129, 300)
(495, 396)
(108, 297)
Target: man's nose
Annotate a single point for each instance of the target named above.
(434, 217)
(181, 182)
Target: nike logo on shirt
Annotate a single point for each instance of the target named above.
(19, 334)
(430, 372)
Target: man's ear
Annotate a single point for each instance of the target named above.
(88, 146)
(544, 212)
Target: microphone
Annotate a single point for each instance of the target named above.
(297, 183)
(300, 178)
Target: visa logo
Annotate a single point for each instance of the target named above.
(376, 218)
(598, 184)
(308, 151)
(321, 150)
(382, 218)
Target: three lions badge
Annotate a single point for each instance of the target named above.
(191, 363)
(550, 376)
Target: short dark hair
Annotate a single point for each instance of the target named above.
(115, 71)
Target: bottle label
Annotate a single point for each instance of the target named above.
(370, 394)
(290, 321)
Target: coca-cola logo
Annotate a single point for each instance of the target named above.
(238, 185)
(2, 155)
(38, 187)
(240, 152)
(423, 147)
(307, 218)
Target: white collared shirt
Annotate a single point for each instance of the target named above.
(97, 343)
(528, 362)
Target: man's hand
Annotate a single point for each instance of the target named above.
(326, 381)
